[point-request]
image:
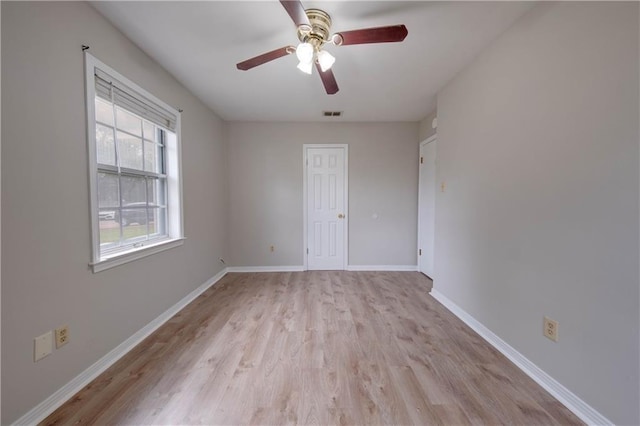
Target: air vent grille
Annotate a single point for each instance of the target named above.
(332, 113)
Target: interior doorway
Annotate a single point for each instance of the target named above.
(427, 206)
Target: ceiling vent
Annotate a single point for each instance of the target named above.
(332, 113)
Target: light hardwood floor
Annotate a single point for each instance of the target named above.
(314, 348)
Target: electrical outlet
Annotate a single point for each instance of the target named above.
(272, 249)
(62, 336)
(550, 329)
(42, 346)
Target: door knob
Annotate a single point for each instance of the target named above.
(340, 216)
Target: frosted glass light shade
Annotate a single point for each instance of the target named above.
(305, 67)
(325, 59)
(304, 52)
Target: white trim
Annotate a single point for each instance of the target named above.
(62, 395)
(570, 400)
(305, 147)
(305, 237)
(265, 269)
(90, 93)
(126, 257)
(389, 268)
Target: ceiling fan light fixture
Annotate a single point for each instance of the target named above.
(304, 52)
(305, 67)
(326, 60)
(314, 32)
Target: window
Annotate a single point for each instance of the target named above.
(134, 149)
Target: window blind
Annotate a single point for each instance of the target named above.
(127, 98)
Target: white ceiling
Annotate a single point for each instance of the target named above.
(201, 42)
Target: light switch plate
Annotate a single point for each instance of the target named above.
(42, 346)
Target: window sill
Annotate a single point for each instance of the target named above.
(135, 254)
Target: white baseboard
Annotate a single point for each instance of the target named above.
(389, 268)
(580, 408)
(49, 405)
(265, 269)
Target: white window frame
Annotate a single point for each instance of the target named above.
(175, 226)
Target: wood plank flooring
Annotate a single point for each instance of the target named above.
(314, 348)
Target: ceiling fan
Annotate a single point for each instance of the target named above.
(314, 26)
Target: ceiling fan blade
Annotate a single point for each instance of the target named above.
(295, 9)
(390, 34)
(328, 79)
(265, 57)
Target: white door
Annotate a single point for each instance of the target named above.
(426, 209)
(326, 203)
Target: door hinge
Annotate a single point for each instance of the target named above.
(307, 251)
(420, 252)
(421, 160)
(307, 161)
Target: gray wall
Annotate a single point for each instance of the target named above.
(0, 221)
(45, 220)
(538, 145)
(266, 174)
